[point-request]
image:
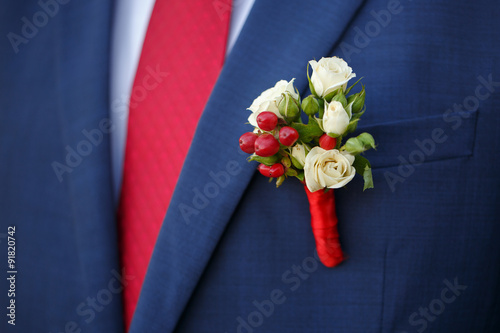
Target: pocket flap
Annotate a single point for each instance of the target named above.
(419, 140)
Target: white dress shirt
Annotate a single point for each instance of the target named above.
(129, 30)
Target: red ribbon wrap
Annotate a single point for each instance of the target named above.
(324, 226)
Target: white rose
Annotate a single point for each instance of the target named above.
(268, 100)
(299, 152)
(328, 168)
(329, 74)
(335, 118)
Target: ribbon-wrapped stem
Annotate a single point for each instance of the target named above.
(324, 226)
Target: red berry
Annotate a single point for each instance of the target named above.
(274, 171)
(267, 121)
(288, 135)
(247, 142)
(266, 145)
(277, 170)
(264, 170)
(327, 142)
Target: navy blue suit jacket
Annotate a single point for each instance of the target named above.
(235, 254)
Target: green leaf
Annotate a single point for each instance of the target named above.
(296, 163)
(360, 163)
(367, 177)
(353, 146)
(265, 160)
(329, 97)
(367, 140)
(339, 142)
(355, 83)
(332, 95)
(300, 176)
(358, 115)
(321, 108)
(307, 132)
(311, 87)
(298, 94)
(353, 124)
(359, 144)
(363, 167)
(333, 135)
(348, 109)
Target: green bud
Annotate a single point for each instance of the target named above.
(291, 172)
(340, 97)
(286, 162)
(310, 105)
(280, 180)
(358, 101)
(289, 107)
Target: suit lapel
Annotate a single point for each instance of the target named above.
(276, 42)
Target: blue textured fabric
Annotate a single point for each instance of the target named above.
(234, 253)
(53, 91)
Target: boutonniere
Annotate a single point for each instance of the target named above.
(307, 138)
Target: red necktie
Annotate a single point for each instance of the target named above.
(181, 58)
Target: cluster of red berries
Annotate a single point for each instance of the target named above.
(266, 145)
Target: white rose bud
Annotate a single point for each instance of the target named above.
(269, 99)
(299, 152)
(335, 118)
(328, 169)
(329, 74)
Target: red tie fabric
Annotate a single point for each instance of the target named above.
(181, 58)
